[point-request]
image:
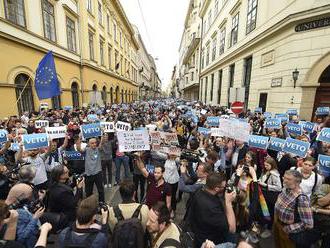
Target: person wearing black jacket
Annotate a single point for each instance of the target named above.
(61, 198)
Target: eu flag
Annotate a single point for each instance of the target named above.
(46, 82)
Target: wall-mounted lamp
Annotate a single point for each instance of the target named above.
(295, 75)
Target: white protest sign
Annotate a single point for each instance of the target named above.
(151, 127)
(108, 127)
(122, 126)
(56, 132)
(137, 140)
(170, 138)
(41, 123)
(155, 137)
(232, 128)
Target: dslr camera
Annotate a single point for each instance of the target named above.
(231, 188)
(78, 177)
(102, 205)
(246, 169)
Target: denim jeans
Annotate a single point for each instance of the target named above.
(118, 162)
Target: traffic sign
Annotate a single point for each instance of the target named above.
(237, 107)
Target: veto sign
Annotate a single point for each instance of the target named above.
(204, 131)
(260, 142)
(137, 140)
(324, 135)
(73, 155)
(91, 130)
(123, 126)
(296, 147)
(213, 121)
(3, 136)
(322, 111)
(324, 165)
(34, 141)
(56, 132)
(273, 123)
(294, 128)
(307, 126)
(41, 123)
(276, 144)
(107, 127)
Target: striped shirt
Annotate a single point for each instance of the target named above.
(285, 210)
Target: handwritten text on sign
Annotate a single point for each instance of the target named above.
(137, 140)
(108, 127)
(122, 126)
(41, 124)
(56, 132)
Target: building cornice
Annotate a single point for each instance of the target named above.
(235, 7)
(281, 25)
(190, 8)
(204, 8)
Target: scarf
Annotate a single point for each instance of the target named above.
(262, 201)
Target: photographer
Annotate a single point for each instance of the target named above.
(85, 232)
(4, 182)
(61, 198)
(29, 211)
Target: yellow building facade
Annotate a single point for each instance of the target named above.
(94, 48)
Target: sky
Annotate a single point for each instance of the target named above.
(161, 33)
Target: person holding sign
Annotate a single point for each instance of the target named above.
(93, 168)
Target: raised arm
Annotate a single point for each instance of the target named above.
(141, 167)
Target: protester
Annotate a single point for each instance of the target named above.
(106, 160)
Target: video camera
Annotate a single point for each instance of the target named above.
(191, 156)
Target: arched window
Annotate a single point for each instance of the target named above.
(104, 95)
(111, 95)
(126, 96)
(94, 87)
(117, 94)
(56, 102)
(24, 93)
(129, 96)
(75, 95)
(122, 95)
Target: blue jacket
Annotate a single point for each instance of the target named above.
(27, 228)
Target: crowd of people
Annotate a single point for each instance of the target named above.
(234, 194)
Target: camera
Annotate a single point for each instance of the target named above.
(35, 205)
(78, 177)
(246, 169)
(102, 205)
(191, 156)
(231, 188)
(32, 206)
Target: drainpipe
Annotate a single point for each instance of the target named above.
(200, 62)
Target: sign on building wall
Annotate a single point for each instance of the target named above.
(276, 82)
(320, 23)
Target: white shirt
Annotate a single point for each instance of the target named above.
(171, 174)
(307, 184)
(39, 163)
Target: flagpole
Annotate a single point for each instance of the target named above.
(20, 95)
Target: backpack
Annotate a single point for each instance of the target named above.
(128, 233)
(86, 244)
(186, 240)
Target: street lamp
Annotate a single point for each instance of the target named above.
(295, 75)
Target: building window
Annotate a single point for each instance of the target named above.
(109, 57)
(231, 80)
(15, 13)
(71, 34)
(56, 102)
(219, 85)
(247, 78)
(201, 90)
(203, 58)
(234, 30)
(214, 48)
(222, 41)
(101, 51)
(206, 89)
(23, 89)
(49, 20)
(115, 32)
(100, 13)
(207, 55)
(209, 19)
(91, 45)
(75, 95)
(89, 6)
(251, 16)
(216, 8)
(120, 34)
(104, 95)
(116, 62)
(212, 85)
(192, 76)
(108, 23)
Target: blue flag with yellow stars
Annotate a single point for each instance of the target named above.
(46, 82)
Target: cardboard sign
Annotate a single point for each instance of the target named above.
(276, 144)
(213, 121)
(232, 128)
(293, 128)
(92, 117)
(296, 147)
(204, 131)
(91, 130)
(258, 110)
(322, 111)
(150, 168)
(268, 115)
(3, 136)
(56, 132)
(68, 108)
(155, 137)
(324, 135)
(130, 141)
(122, 126)
(307, 126)
(260, 142)
(174, 150)
(170, 138)
(74, 155)
(273, 123)
(292, 111)
(107, 127)
(41, 124)
(34, 141)
(203, 112)
(324, 165)
(216, 132)
(151, 127)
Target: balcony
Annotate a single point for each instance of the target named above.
(191, 48)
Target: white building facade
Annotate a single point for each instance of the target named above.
(252, 48)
